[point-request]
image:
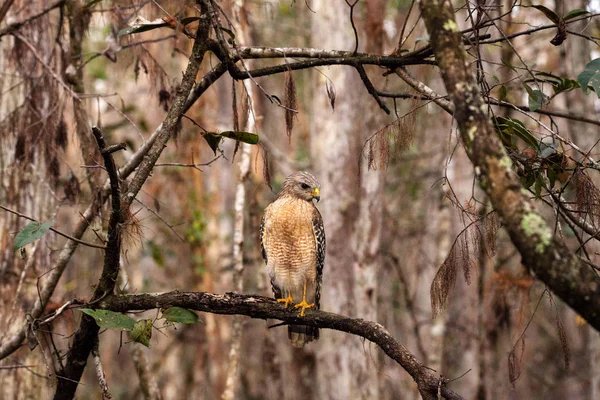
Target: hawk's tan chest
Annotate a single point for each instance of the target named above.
(289, 240)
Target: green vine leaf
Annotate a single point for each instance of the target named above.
(537, 98)
(575, 13)
(142, 332)
(590, 77)
(502, 94)
(180, 315)
(246, 137)
(32, 232)
(552, 16)
(110, 320)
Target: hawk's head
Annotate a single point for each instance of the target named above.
(301, 185)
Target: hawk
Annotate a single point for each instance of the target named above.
(292, 240)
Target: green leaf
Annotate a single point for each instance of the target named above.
(181, 315)
(537, 98)
(32, 232)
(110, 319)
(529, 180)
(545, 77)
(575, 13)
(502, 94)
(538, 186)
(510, 127)
(558, 83)
(590, 77)
(141, 24)
(551, 176)
(546, 150)
(213, 140)
(142, 332)
(565, 85)
(246, 137)
(552, 16)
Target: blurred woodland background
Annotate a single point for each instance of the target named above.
(399, 196)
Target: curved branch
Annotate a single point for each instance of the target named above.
(544, 254)
(265, 308)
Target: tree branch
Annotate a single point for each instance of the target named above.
(86, 335)
(545, 255)
(265, 308)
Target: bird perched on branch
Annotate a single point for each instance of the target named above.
(292, 240)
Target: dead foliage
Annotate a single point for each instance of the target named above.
(290, 101)
(587, 197)
(478, 236)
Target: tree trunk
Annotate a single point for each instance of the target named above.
(351, 204)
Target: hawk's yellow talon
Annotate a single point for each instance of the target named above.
(303, 305)
(287, 301)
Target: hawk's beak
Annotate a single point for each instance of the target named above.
(316, 194)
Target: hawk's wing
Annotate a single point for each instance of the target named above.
(319, 231)
(276, 290)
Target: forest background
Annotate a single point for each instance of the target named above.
(419, 240)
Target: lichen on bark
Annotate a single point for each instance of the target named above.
(536, 229)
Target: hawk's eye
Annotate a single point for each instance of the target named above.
(304, 186)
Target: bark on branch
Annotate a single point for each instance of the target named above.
(87, 335)
(265, 308)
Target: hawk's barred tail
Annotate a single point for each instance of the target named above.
(299, 335)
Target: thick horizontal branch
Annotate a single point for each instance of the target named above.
(366, 58)
(265, 308)
(323, 57)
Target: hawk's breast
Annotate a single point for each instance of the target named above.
(289, 242)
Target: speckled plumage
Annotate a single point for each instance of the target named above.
(293, 246)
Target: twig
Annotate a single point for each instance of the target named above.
(44, 64)
(157, 215)
(352, 5)
(401, 39)
(5, 367)
(58, 312)
(100, 372)
(16, 25)
(5, 7)
(370, 88)
(195, 166)
(26, 267)
(533, 30)
(97, 246)
(424, 89)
